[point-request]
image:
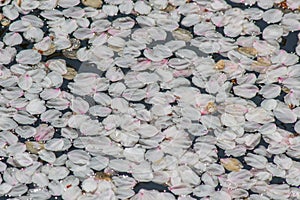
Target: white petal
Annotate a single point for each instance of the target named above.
(40, 179)
(23, 117)
(25, 81)
(259, 115)
(293, 4)
(272, 32)
(83, 33)
(48, 94)
(142, 172)
(298, 49)
(57, 173)
(283, 161)
(145, 21)
(89, 185)
(142, 8)
(114, 74)
(54, 144)
(28, 56)
(147, 130)
(3, 166)
(188, 176)
(269, 104)
(57, 65)
(157, 34)
(270, 91)
(272, 15)
(23, 159)
(233, 30)
(102, 98)
(44, 132)
(110, 10)
(221, 195)
(25, 131)
(29, 5)
(33, 34)
(7, 123)
(68, 3)
(181, 189)
(5, 188)
(98, 163)
(79, 157)
(134, 94)
(79, 105)
(36, 106)
(12, 39)
(7, 54)
(10, 11)
(47, 156)
(116, 90)
(297, 127)
(190, 20)
(256, 161)
(99, 111)
(203, 190)
(265, 4)
(167, 24)
(126, 7)
(285, 114)
(120, 165)
(246, 90)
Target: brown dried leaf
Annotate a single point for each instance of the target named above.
(169, 8)
(71, 73)
(92, 3)
(5, 22)
(285, 89)
(231, 164)
(248, 51)
(264, 61)
(220, 65)
(34, 147)
(103, 176)
(114, 48)
(182, 34)
(210, 107)
(50, 51)
(72, 54)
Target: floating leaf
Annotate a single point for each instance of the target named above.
(71, 73)
(231, 164)
(34, 147)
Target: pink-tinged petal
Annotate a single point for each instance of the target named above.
(44, 132)
(259, 115)
(79, 105)
(25, 81)
(285, 114)
(246, 90)
(28, 56)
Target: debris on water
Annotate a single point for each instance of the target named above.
(92, 3)
(71, 73)
(103, 176)
(220, 65)
(34, 147)
(231, 164)
(182, 34)
(5, 22)
(248, 51)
